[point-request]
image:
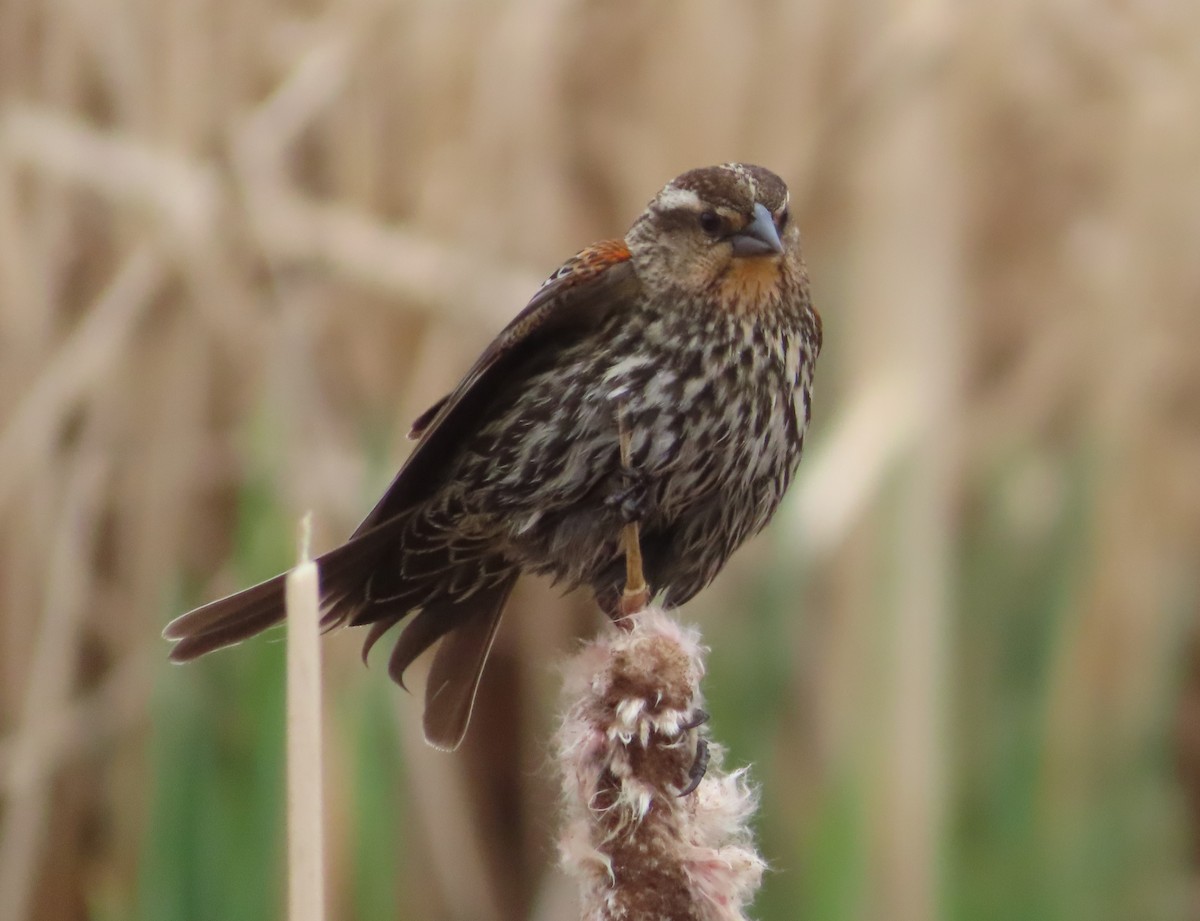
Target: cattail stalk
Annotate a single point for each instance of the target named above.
(306, 849)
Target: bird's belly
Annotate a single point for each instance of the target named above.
(714, 475)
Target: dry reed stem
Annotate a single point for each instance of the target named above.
(305, 785)
(844, 472)
(81, 726)
(127, 172)
(315, 82)
(444, 280)
(455, 848)
(77, 366)
(423, 272)
(910, 210)
(26, 814)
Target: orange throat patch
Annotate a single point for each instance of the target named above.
(751, 283)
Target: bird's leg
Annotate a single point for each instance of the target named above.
(637, 593)
(630, 496)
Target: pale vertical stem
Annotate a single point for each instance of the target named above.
(80, 364)
(909, 212)
(25, 821)
(455, 844)
(306, 835)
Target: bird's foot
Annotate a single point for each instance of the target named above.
(634, 599)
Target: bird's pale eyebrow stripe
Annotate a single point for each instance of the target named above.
(678, 199)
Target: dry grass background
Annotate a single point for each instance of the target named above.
(243, 243)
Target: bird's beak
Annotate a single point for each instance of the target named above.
(759, 237)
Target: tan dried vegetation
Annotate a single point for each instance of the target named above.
(233, 223)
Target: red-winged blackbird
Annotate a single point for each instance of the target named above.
(696, 330)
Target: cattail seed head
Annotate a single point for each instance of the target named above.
(627, 747)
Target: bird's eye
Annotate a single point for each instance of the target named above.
(710, 223)
(783, 218)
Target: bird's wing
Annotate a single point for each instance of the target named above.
(572, 301)
(575, 299)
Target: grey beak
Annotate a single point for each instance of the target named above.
(759, 237)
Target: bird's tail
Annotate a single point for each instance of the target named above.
(465, 625)
(343, 573)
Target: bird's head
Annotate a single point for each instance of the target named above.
(720, 231)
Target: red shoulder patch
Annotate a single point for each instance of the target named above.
(603, 254)
(589, 262)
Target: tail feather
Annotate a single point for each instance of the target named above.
(226, 621)
(230, 631)
(429, 626)
(458, 663)
(344, 572)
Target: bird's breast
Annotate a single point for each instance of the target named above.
(714, 406)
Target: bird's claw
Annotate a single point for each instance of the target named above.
(700, 763)
(699, 767)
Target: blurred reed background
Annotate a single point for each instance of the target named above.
(244, 242)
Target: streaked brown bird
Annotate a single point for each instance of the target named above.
(695, 335)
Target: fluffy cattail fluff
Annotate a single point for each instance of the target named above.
(628, 745)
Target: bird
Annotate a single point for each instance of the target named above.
(694, 338)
